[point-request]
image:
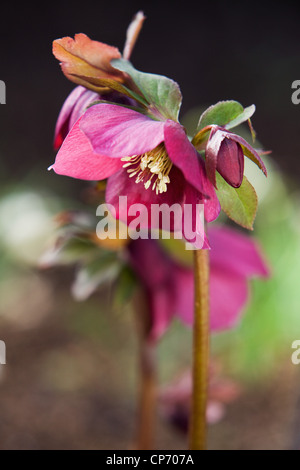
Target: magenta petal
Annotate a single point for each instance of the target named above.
(236, 253)
(228, 296)
(153, 268)
(212, 207)
(184, 288)
(233, 259)
(150, 262)
(161, 304)
(77, 159)
(120, 184)
(117, 132)
(72, 109)
(184, 155)
(193, 223)
(85, 100)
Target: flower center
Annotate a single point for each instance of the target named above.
(151, 168)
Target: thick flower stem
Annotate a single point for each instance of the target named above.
(200, 351)
(147, 377)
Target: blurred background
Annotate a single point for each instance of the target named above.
(70, 378)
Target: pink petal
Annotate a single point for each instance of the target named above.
(212, 207)
(153, 267)
(117, 132)
(184, 280)
(73, 108)
(149, 254)
(215, 412)
(87, 98)
(120, 184)
(192, 219)
(228, 296)
(77, 159)
(233, 259)
(184, 155)
(161, 305)
(236, 253)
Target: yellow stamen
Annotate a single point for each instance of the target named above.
(155, 165)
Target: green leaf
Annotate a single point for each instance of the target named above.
(162, 93)
(220, 114)
(244, 116)
(240, 204)
(227, 114)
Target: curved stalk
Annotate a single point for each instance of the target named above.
(198, 434)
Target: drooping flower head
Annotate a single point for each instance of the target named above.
(175, 397)
(140, 147)
(162, 268)
(143, 150)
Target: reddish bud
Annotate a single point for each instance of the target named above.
(230, 162)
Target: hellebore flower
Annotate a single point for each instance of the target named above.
(234, 258)
(83, 60)
(225, 153)
(149, 161)
(143, 151)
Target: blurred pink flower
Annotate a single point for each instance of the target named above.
(234, 258)
(175, 398)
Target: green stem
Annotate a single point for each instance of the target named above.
(201, 351)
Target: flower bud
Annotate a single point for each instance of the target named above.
(230, 162)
